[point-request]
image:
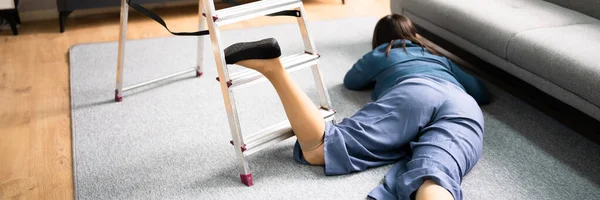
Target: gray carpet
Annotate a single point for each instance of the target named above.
(171, 140)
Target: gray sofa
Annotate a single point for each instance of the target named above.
(553, 45)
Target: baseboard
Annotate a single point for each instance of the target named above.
(38, 15)
(50, 14)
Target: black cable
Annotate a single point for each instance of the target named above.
(162, 22)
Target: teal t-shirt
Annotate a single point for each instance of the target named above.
(381, 72)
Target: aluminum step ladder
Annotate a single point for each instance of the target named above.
(252, 143)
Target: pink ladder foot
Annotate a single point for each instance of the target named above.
(247, 179)
(117, 97)
(199, 74)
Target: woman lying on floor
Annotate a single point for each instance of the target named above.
(425, 115)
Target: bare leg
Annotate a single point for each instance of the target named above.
(307, 122)
(431, 191)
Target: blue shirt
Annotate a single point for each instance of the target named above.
(381, 72)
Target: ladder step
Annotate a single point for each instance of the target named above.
(291, 63)
(276, 133)
(254, 9)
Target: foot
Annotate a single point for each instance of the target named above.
(262, 55)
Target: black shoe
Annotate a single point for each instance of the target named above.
(262, 49)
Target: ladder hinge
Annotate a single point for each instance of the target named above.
(311, 53)
(229, 83)
(214, 17)
(243, 147)
(333, 110)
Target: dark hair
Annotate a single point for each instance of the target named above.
(397, 27)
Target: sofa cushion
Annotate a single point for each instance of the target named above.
(567, 56)
(491, 24)
(588, 7)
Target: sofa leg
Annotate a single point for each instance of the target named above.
(17, 18)
(62, 18)
(12, 20)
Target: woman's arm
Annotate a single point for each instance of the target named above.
(360, 76)
(472, 85)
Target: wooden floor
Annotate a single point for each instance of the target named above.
(35, 123)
